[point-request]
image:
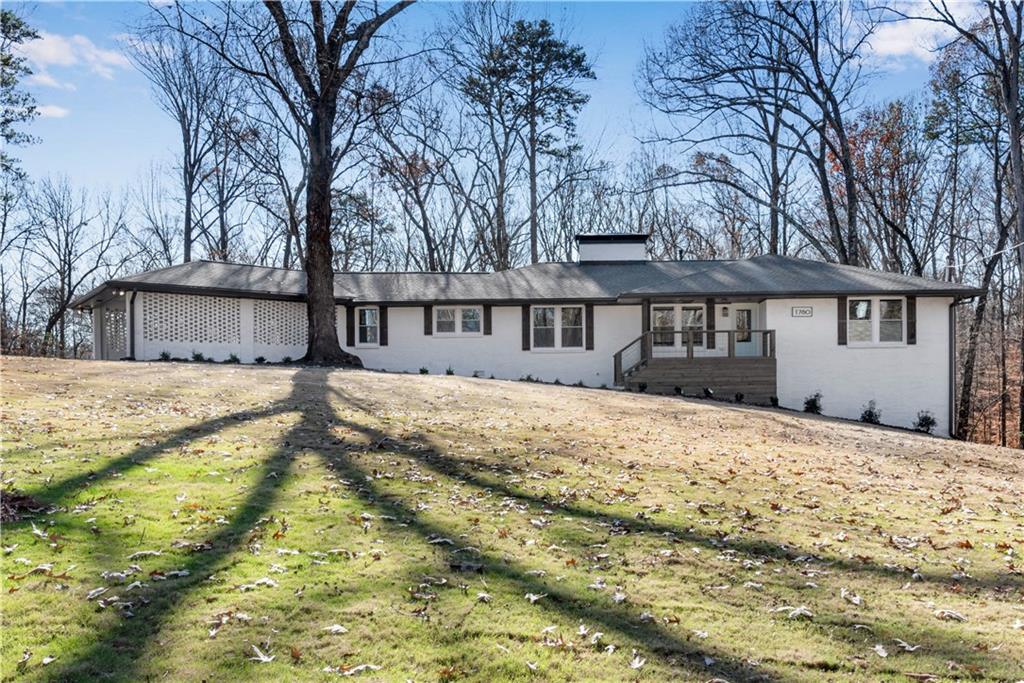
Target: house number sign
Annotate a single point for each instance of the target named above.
(803, 311)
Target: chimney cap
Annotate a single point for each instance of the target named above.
(629, 237)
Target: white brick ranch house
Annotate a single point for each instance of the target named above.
(772, 328)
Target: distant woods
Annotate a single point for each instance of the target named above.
(460, 149)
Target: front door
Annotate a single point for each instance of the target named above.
(746, 342)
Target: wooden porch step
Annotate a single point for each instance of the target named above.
(754, 377)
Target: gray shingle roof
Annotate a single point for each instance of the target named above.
(761, 276)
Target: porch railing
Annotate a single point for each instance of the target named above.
(637, 353)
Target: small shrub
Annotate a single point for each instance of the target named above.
(260, 360)
(449, 370)
(286, 359)
(232, 359)
(812, 404)
(165, 355)
(424, 371)
(558, 382)
(528, 378)
(739, 397)
(925, 422)
(476, 374)
(642, 387)
(774, 401)
(604, 386)
(579, 383)
(871, 414)
(708, 392)
(678, 390)
(198, 357)
(491, 377)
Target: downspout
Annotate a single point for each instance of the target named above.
(131, 326)
(952, 365)
(952, 369)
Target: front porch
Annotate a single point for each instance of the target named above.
(689, 348)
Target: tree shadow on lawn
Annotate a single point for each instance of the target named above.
(934, 639)
(420, 448)
(120, 647)
(116, 653)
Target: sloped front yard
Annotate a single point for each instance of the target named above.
(215, 522)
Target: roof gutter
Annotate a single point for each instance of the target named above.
(85, 301)
(131, 325)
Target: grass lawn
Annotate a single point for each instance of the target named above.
(199, 519)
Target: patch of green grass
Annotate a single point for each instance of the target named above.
(419, 512)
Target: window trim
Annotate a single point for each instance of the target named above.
(458, 321)
(876, 322)
(558, 347)
(360, 326)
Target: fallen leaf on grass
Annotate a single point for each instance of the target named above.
(949, 615)
(260, 657)
(905, 646)
(850, 597)
(800, 612)
(265, 581)
(351, 670)
(880, 650)
(533, 597)
(335, 629)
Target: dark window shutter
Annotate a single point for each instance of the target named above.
(842, 320)
(383, 320)
(526, 327)
(911, 319)
(428, 320)
(588, 323)
(709, 322)
(350, 326)
(645, 315)
(487, 319)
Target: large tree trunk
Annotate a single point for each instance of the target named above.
(323, 347)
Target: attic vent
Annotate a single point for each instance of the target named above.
(612, 247)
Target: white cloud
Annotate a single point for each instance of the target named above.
(55, 50)
(45, 80)
(52, 111)
(906, 39)
(897, 41)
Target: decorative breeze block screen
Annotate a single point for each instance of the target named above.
(281, 323)
(185, 318)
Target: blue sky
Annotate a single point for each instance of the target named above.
(101, 128)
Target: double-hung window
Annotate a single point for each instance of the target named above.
(369, 326)
(458, 320)
(557, 327)
(876, 321)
